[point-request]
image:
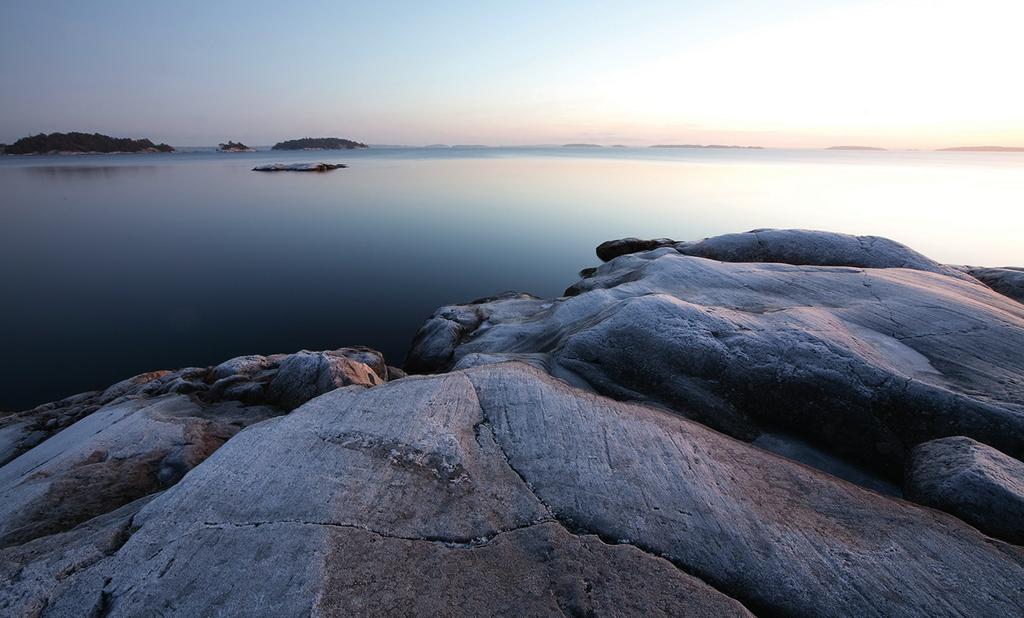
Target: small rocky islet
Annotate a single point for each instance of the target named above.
(778, 422)
(299, 167)
(230, 146)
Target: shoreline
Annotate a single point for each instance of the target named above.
(624, 426)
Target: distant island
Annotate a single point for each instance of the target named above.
(983, 149)
(854, 148)
(318, 143)
(582, 146)
(234, 147)
(704, 146)
(81, 143)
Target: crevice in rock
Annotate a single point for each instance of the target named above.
(124, 533)
(576, 529)
(881, 303)
(448, 541)
(103, 603)
(964, 331)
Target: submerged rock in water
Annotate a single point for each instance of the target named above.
(298, 167)
(500, 490)
(971, 480)
(88, 455)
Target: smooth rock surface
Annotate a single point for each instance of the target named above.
(813, 248)
(21, 431)
(971, 480)
(1008, 281)
(90, 454)
(863, 362)
(500, 490)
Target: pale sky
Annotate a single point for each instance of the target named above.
(898, 73)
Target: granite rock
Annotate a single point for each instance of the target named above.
(501, 490)
(973, 481)
(90, 454)
(863, 362)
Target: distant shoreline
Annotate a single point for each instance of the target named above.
(164, 149)
(709, 146)
(855, 148)
(982, 149)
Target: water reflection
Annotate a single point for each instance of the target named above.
(78, 171)
(116, 266)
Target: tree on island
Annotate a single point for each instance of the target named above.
(318, 143)
(82, 142)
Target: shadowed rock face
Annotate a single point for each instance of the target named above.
(1007, 281)
(614, 248)
(971, 480)
(90, 454)
(865, 362)
(501, 490)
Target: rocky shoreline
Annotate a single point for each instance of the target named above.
(779, 422)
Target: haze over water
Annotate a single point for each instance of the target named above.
(115, 265)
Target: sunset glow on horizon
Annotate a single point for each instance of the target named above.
(894, 74)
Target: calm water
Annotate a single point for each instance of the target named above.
(113, 265)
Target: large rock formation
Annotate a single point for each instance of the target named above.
(582, 477)
(500, 490)
(971, 480)
(806, 247)
(92, 453)
(863, 361)
(1008, 280)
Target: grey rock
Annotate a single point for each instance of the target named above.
(42, 567)
(89, 454)
(971, 480)
(864, 363)
(305, 375)
(815, 248)
(299, 167)
(111, 457)
(789, 246)
(612, 249)
(436, 341)
(1008, 280)
(500, 490)
(21, 431)
(241, 366)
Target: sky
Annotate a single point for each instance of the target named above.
(796, 73)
